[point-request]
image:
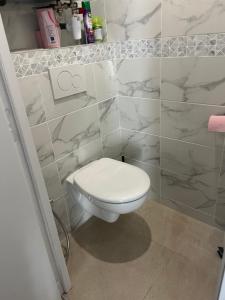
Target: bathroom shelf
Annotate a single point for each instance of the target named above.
(20, 23)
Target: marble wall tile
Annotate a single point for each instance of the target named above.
(42, 141)
(187, 159)
(33, 100)
(189, 122)
(79, 158)
(139, 77)
(108, 116)
(154, 174)
(133, 19)
(52, 181)
(220, 204)
(196, 192)
(199, 80)
(105, 80)
(189, 173)
(74, 130)
(181, 17)
(141, 147)
(140, 114)
(111, 145)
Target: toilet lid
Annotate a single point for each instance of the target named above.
(112, 181)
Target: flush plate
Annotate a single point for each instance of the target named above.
(67, 81)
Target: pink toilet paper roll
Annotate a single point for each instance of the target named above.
(216, 124)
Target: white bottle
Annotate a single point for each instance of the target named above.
(76, 27)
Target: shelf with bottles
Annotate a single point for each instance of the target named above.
(21, 23)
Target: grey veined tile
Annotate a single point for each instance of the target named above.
(140, 114)
(189, 174)
(74, 130)
(139, 77)
(42, 141)
(189, 122)
(199, 80)
(33, 99)
(185, 17)
(195, 192)
(111, 144)
(133, 19)
(185, 158)
(105, 80)
(141, 147)
(108, 115)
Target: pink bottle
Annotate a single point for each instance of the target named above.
(49, 27)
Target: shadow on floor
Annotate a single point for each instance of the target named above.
(122, 241)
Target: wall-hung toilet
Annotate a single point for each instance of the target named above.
(106, 188)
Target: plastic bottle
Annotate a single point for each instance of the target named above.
(49, 27)
(97, 26)
(88, 26)
(76, 27)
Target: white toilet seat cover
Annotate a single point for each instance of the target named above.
(112, 181)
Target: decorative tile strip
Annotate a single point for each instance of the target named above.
(38, 61)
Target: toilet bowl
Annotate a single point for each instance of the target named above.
(106, 188)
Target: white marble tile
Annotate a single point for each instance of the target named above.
(108, 116)
(154, 174)
(139, 77)
(141, 147)
(195, 192)
(42, 141)
(105, 80)
(199, 80)
(33, 100)
(72, 131)
(181, 17)
(189, 122)
(140, 114)
(133, 19)
(111, 144)
(52, 181)
(79, 158)
(185, 158)
(189, 174)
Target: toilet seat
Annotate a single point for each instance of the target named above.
(111, 181)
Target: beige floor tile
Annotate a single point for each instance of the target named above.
(183, 280)
(115, 261)
(181, 233)
(154, 254)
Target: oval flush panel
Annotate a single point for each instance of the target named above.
(67, 81)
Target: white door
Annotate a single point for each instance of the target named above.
(26, 272)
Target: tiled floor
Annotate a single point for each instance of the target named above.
(153, 254)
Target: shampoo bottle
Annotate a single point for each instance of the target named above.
(49, 27)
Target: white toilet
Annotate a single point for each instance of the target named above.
(106, 188)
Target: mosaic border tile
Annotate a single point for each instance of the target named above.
(38, 61)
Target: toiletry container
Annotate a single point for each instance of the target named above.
(49, 28)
